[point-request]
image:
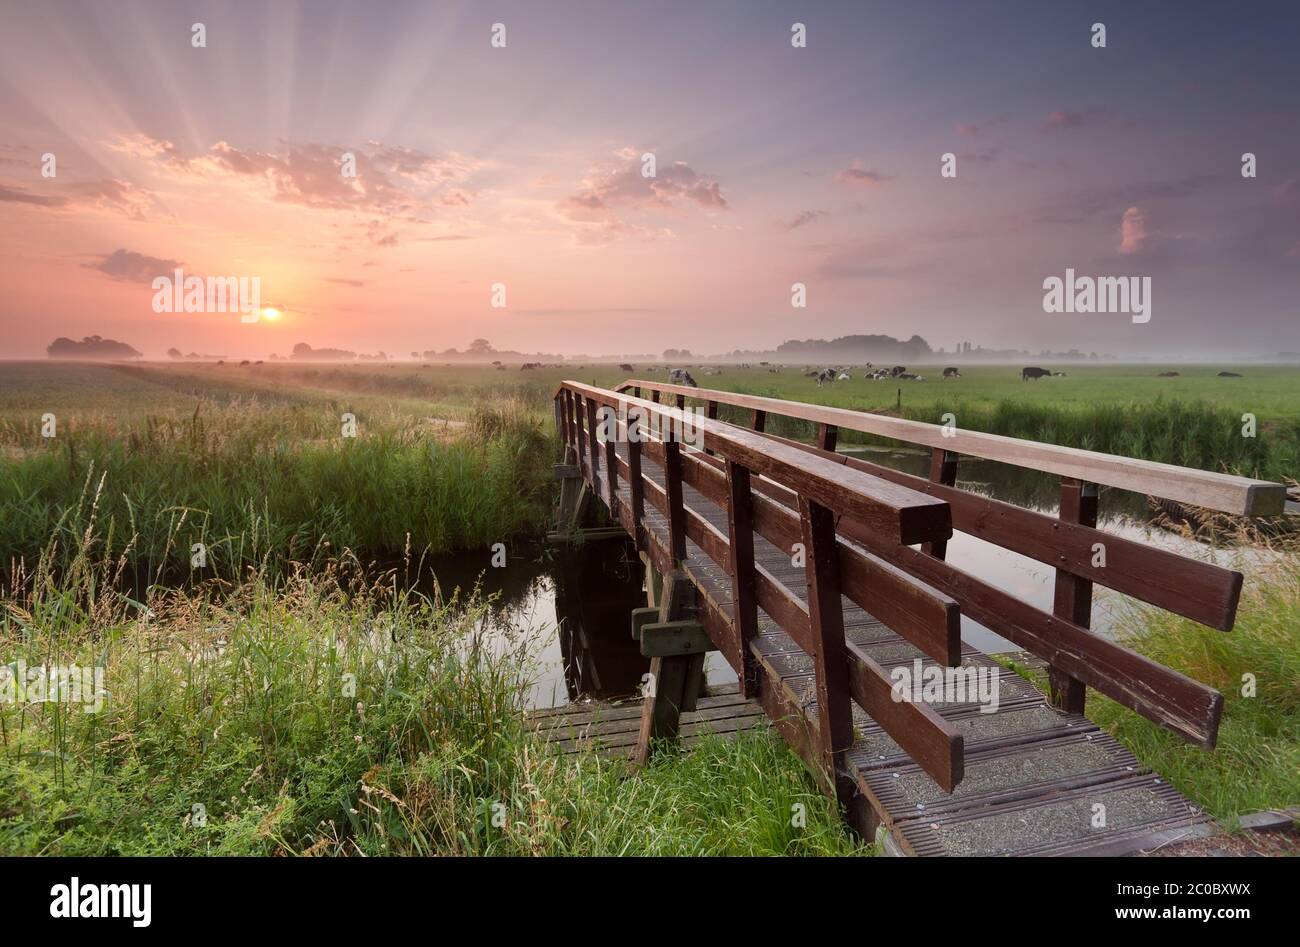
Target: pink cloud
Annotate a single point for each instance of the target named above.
(861, 177)
(1133, 234)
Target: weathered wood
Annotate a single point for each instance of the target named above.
(1073, 599)
(642, 617)
(900, 514)
(943, 469)
(676, 511)
(924, 617)
(827, 434)
(759, 420)
(932, 742)
(830, 657)
(636, 487)
(674, 638)
(611, 464)
(1223, 492)
(674, 681)
(592, 443)
(744, 595)
(1198, 590)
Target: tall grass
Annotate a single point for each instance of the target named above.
(257, 484)
(290, 718)
(1256, 764)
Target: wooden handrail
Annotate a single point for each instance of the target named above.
(901, 515)
(1216, 491)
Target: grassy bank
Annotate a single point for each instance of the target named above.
(1256, 764)
(260, 485)
(291, 720)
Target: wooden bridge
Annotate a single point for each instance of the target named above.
(818, 576)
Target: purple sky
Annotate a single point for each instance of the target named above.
(775, 165)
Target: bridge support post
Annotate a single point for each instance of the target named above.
(677, 646)
(943, 470)
(1073, 600)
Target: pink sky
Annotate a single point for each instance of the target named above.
(522, 166)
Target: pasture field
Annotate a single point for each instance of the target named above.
(250, 459)
(227, 685)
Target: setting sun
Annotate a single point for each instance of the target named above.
(270, 312)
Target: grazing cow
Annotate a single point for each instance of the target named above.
(843, 376)
(680, 376)
(1034, 373)
(897, 370)
(1168, 375)
(625, 367)
(909, 376)
(1229, 375)
(1058, 374)
(951, 372)
(825, 377)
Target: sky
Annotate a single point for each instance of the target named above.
(481, 166)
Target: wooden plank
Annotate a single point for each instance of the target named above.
(676, 511)
(784, 607)
(829, 654)
(932, 742)
(636, 489)
(943, 469)
(672, 638)
(592, 443)
(744, 597)
(1216, 491)
(898, 513)
(1198, 590)
(826, 437)
(1164, 696)
(920, 614)
(1073, 597)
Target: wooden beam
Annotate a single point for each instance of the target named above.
(1073, 600)
(1201, 591)
(744, 595)
(1216, 491)
(829, 654)
(943, 470)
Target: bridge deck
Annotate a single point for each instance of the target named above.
(1033, 775)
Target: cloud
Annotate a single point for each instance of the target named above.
(615, 188)
(108, 195)
(801, 219)
(131, 267)
(20, 195)
(1133, 234)
(975, 129)
(1075, 118)
(390, 181)
(861, 177)
(355, 283)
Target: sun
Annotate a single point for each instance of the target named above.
(270, 312)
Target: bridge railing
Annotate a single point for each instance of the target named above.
(739, 470)
(1080, 553)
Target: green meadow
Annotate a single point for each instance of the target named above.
(290, 697)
